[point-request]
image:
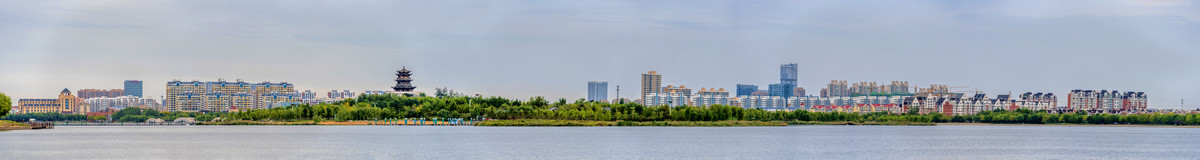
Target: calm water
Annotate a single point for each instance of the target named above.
(797, 142)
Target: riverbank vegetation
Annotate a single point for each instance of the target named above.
(546, 122)
(24, 117)
(373, 107)
(6, 123)
(1025, 116)
(539, 111)
(131, 114)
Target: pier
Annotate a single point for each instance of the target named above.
(424, 122)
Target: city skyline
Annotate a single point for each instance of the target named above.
(994, 46)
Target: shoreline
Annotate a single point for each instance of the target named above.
(1067, 125)
(584, 123)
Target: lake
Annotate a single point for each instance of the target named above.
(468, 142)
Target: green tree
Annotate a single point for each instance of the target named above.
(97, 118)
(5, 104)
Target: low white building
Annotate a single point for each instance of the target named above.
(118, 103)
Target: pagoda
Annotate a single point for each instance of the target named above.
(403, 81)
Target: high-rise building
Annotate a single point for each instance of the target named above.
(65, 103)
(651, 83)
(746, 89)
(597, 91)
(133, 88)
(222, 96)
(788, 74)
(100, 93)
(781, 90)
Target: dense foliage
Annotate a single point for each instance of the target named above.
(131, 114)
(5, 104)
(370, 107)
(24, 117)
(1041, 117)
(134, 114)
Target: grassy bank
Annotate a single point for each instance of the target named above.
(10, 125)
(540, 122)
(5, 123)
(899, 123)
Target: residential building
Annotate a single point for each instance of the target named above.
(65, 103)
(100, 93)
(959, 104)
(335, 95)
(222, 96)
(706, 97)
(672, 99)
(375, 92)
(597, 91)
(651, 83)
(1105, 101)
(133, 88)
(308, 95)
(836, 88)
(681, 89)
(763, 102)
(1038, 101)
(746, 89)
(122, 102)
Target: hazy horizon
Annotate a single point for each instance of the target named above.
(519, 49)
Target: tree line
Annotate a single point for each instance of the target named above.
(130, 114)
(1027, 116)
(372, 107)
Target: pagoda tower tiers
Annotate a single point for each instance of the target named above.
(403, 81)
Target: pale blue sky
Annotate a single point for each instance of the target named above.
(552, 48)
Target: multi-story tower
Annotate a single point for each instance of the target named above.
(651, 83)
(746, 89)
(404, 81)
(133, 88)
(100, 93)
(597, 91)
(788, 73)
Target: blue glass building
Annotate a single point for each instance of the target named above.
(598, 91)
(781, 90)
(133, 88)
(745, 89)
(788, 74)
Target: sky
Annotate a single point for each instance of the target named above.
(519, 49)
